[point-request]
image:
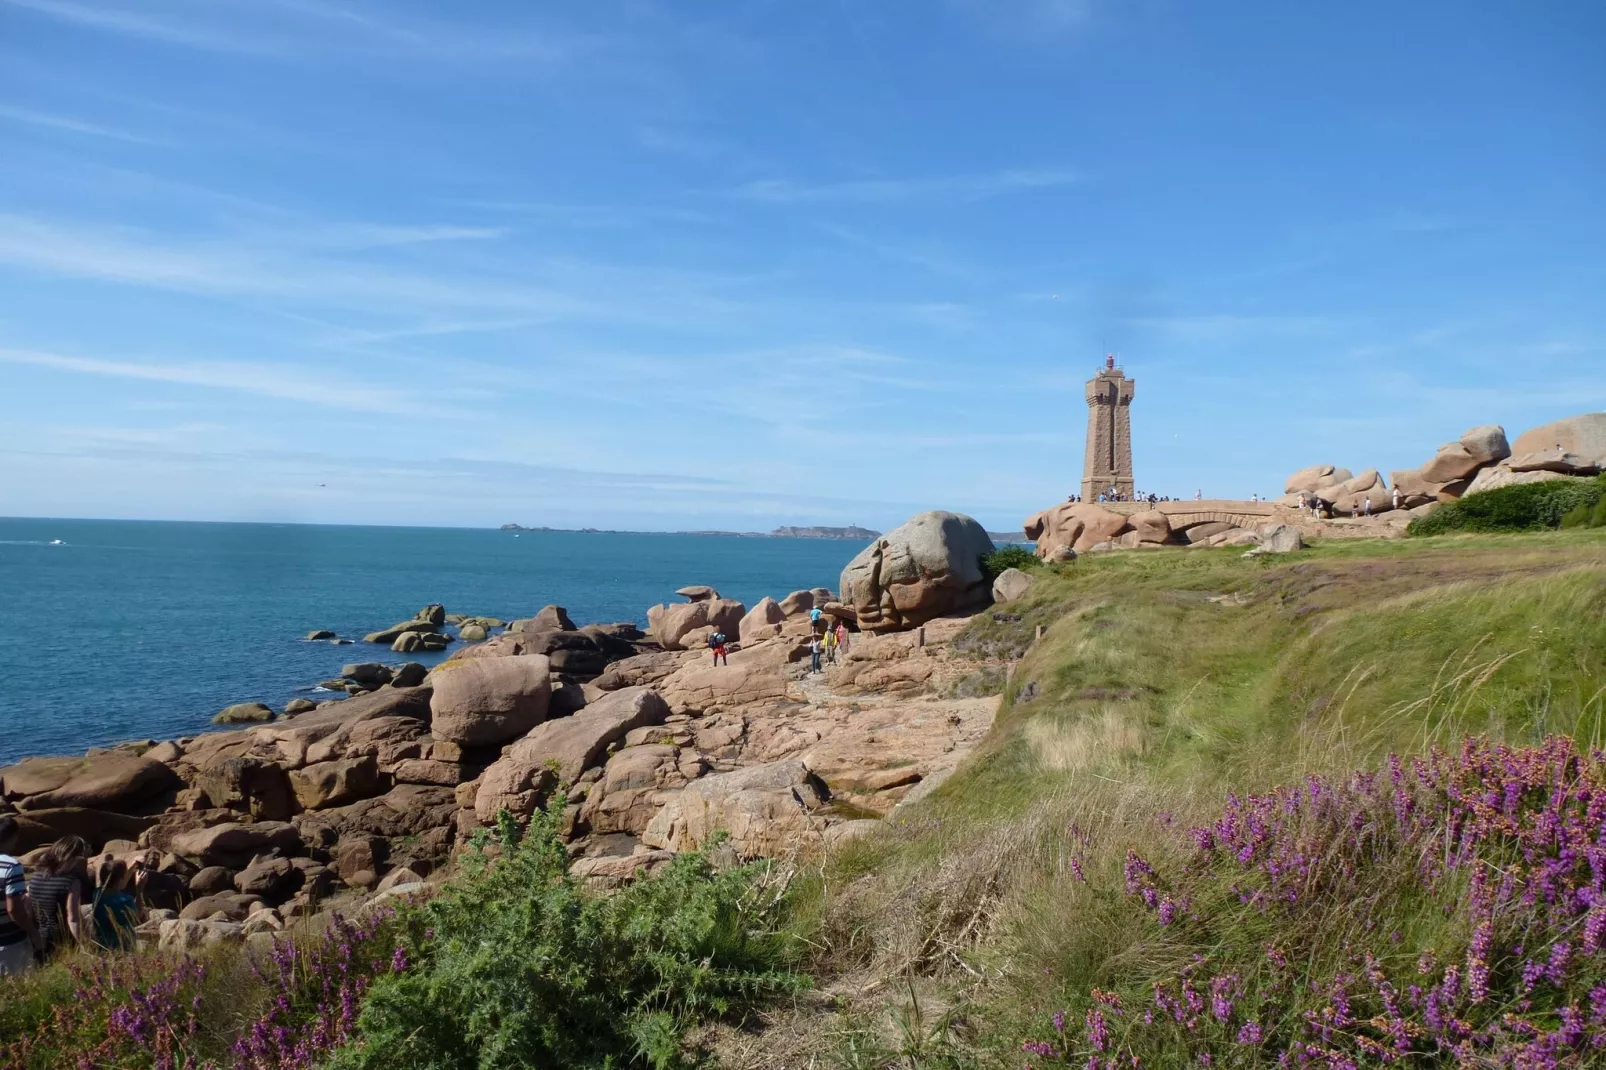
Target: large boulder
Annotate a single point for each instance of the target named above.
(674, 626)
(698, 593)
(1583, 436)
(234, 845)
(1010, 585)
(483, 701)
(557, 752)
(388, 635)
(797, 603)
(1315, 478)
(40, 828)
(625, 799)
(243, 713)
(1073, 526)
(1486, 444)
(1554, 460)
(703, 687)
(763, 621)
(1353, 493)
(335, 783)
(764, 809)
(1151, 526)
(255, 785)
(928, 567)
(111, 780)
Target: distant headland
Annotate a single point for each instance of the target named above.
(784, 532)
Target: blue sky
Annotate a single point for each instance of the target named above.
(664, 265)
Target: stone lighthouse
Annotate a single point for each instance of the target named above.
(1108, 462)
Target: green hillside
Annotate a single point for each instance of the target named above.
(1165, 681)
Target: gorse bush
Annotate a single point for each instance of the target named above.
(1007, 557)
(1522, 507)
(1449, 910)
(517, 965)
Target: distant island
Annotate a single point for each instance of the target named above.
(852, 531)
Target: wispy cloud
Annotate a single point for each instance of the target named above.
(297, 29)
(963, 187)
(68, 123)
(265, 266)
(920, 255)
(286, 382)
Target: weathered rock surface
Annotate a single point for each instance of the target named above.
(765, 810)
(1010, 585)
(1315, 479)
(243, 713)
(672, 626)
(484, 701)
(105, 781)
(556, 753)
(1583, 436)
(751, 678)
(234, 845)
(928, 567)
(763, 621)
(335, 783)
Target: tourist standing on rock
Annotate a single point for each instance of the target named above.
(814, 653)
(56, 892)
(1198, 495)
(830, 645)
(1395, 498)
(19, 939)
(716, 643)
(115, 912)
(1366, 506)
(842, 638)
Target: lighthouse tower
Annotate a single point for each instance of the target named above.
(1108, 462)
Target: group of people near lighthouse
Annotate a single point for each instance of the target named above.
(827, 637)
(66, 900)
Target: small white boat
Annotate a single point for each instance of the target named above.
(57, 542)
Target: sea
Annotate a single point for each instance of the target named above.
(120, 630)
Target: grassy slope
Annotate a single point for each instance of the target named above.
(1165, 680)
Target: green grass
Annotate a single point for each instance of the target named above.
(1165, 680)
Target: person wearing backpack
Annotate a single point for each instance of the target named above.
(716, 643)
(19, 937)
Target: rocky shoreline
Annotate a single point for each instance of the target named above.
(335, 804)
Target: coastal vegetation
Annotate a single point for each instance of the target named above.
(1336, 809)
(1539, 506)
(511, 965)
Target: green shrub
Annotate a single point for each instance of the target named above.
(516, 964)
(1522, 507)
(1007, 557)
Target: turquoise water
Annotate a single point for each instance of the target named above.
(134, 629)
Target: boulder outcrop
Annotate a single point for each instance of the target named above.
(672, 626)
(1010, 585)
(764, 809)
(763, 621)
(1450, 472)
(1315, 479)
(107, 781)
(1073, 526)
(557, 752)
(1582, 436)
(928, 567)
(481, 701)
